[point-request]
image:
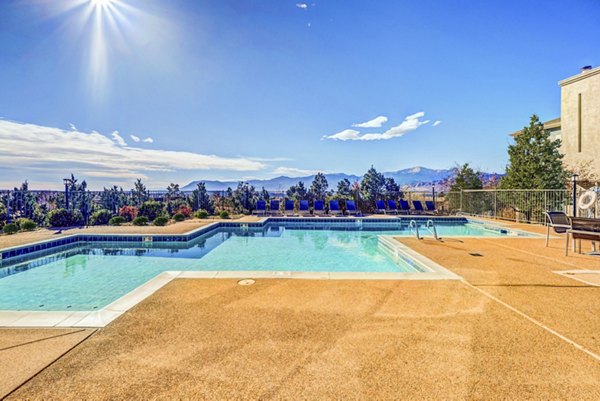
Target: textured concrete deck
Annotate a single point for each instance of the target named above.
(514, 329)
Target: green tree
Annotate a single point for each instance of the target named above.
(392, 189)
(200, 199)
(534, 161)
(343, 189)
(297, 192)
(244, 197)
(466, 178)
(264, 194)
(319, 186)
(372, 187)
(139, 193)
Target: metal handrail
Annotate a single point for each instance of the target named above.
(413, 225)
(432, 229)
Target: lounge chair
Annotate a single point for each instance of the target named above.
(582, 228)
(404, 206)
(319, 208)
(559, 222)
(351, 208)
(274, 209)
(334, 208)
(289, 207)
(261, 207)
(418, 207)
(380, 207)
(303, 208)
(392, 206)
(430, 205)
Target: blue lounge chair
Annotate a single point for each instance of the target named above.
(351, 208)
(319, 208)
(430, 206)
(261, 207)
(404, 206)
(303, 209)
(289, 207)
(393, 206)
(380, 207)
(418, 207)
(274, 207)
(334, 208)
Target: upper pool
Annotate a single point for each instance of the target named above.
(89, 275)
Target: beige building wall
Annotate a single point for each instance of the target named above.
(580, 119)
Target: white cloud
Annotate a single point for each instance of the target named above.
(148, 140)
(410, 123)
(118, 139)
(72, 127)
(436, 123)
(303, 6)
(374, 123)
(293, 172)
(345, 135)
(33, 147)
(134, 138)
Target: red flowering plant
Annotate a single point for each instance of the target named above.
(184, 210)
(128, 212)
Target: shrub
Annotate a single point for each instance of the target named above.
(26, 224)
(140, 221)
(65, 218)
(3, 215)
(178, 217)
(201, 214)
(161, 221)
(151, 209)
(101, 217)
(117, 221)
(10, 228)
(185, 210)
(128, 212)
(224, 214)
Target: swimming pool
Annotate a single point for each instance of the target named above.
(88, 275)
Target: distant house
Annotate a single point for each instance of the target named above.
(578, 127)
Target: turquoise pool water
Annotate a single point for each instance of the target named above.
(86, 277)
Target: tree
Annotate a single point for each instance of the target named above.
(139, 192)
(466, 178)
(264, 194)
(297, 192)
(535, 161)
(319, 186)
(200, 198)
(244, 197)
(343, 189)
(372, 186)
(392, 189)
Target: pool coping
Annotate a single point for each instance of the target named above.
(104, 316)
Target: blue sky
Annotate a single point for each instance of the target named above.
(229, 89)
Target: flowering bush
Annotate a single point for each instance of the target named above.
(128, 212)
(184, 210)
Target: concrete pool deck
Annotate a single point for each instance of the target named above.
(513, 329)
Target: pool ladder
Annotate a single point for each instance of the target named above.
(430, 226)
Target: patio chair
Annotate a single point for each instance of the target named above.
(558, 221)
(418, 207)
(288, 207)
(274, 209)
(319, 208)
(430, 205)
(261, 207)
(351, 208)
(583, 228)
(380, 207)
(303, 208)
(334, 208)
(392, 206)
(404, 206)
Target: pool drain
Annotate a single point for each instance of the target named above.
(246, 281)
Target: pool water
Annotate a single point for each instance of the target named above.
(89, 276)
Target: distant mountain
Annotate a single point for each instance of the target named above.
(415, 177)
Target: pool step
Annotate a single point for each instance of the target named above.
(391, 248)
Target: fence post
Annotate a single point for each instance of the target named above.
(495, 203)
(461, 201)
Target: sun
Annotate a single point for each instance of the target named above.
(101, 3)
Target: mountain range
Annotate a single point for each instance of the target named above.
(413, 178)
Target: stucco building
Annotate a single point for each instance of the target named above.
(579, 124)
